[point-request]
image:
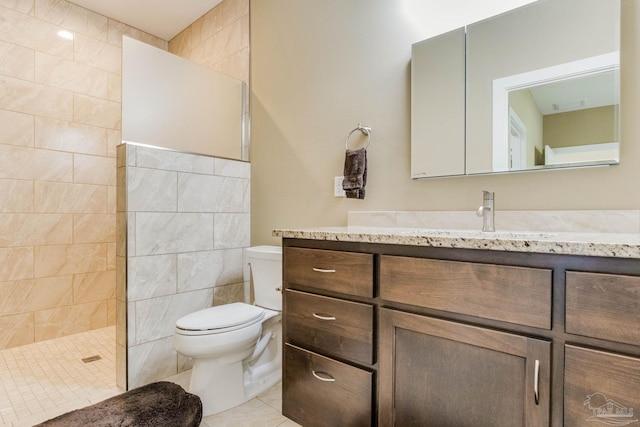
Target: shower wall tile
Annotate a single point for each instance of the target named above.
(98, 54)
(96, 111)
(114, 138)
(218, 40)
(69, 136)
(33, 164)
(94, 228)
(69, 198)
(17, 263)
(24, 296)
(114, 87)
(162, 233)
(152, 190)
(33, 98)
(111, 256)
(117, 29)
(151, 361)
(151, 276)
(23, 6)
(201, 270)
(112, 195)
(61, 260)
(72, 16)
(66, 74)
(232, 168)
(94, 170)
(203, 193)
(28, 31)
(156, 318)
(121, 278)
(228, 294)
(121, 322)
(17, 330)
(73, 319)
(35, 229)
(17, 128)
(154, 158)
(91, 287)
(111, 312)
(121, 366)
(60, 118)
(16, 195)
(232, 231)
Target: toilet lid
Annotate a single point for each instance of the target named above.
(221, 317)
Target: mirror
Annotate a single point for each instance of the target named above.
(541, 91)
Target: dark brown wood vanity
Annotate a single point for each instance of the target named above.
(387, 334)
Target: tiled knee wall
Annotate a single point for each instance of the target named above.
(183, 221)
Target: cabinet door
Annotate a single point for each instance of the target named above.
(446, 374)
(600, 388)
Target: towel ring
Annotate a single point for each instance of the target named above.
(364, 129)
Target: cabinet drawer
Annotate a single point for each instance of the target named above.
(345, 272)
(318, 391)
(600, 387)
(330, 325)
(511, 294)
(605, 306)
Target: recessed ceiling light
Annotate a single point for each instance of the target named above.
(67, 35)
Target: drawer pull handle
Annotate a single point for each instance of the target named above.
(323, 270)
(321, 317)
(536, 392)
(323, 376)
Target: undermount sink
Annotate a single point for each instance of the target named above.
(477, 234)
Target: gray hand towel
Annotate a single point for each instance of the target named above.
(355, 173)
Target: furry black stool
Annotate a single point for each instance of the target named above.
(157, 404)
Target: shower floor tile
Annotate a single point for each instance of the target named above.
(43, 380)
(39, 381)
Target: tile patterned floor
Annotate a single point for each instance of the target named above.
(40, 381)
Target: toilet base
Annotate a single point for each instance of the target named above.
(223, 384)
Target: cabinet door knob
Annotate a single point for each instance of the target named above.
(323, 376)
(536, 375)
(323, 270)
(321, 317)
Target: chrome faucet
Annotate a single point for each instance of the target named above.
(486, 211)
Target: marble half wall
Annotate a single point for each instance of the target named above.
(183, 222)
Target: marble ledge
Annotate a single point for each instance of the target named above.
(618, 245)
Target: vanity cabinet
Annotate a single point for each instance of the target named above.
(328, 371)
(426, 336)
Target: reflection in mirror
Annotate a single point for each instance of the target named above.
(561, 116)
(545, 44)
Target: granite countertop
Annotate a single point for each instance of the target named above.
(620, 245)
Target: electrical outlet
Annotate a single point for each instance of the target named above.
(337, 186)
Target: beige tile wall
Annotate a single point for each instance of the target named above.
(218, 40)
(59, 127)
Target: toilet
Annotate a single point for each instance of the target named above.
(237, 348)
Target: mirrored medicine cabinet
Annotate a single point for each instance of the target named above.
(535, 88)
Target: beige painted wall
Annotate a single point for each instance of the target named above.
(313, 80)
(526, 109)
(590, 126)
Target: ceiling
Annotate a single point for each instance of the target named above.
(162, 18)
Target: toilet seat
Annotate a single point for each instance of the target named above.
(220, 319)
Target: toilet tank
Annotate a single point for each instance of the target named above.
(265, 263)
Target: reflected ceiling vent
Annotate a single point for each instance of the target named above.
(569, 106)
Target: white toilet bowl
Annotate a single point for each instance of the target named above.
(236, 348)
